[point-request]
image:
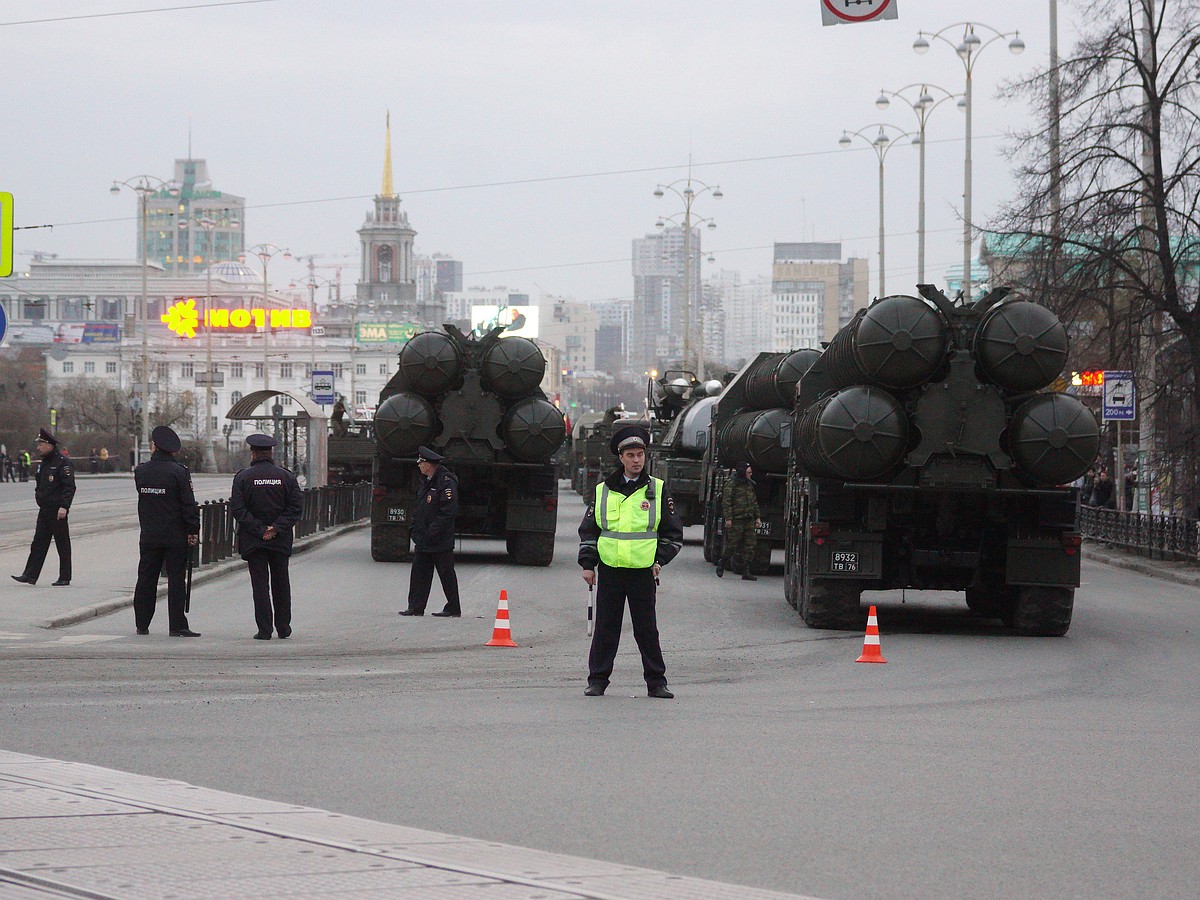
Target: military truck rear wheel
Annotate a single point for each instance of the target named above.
(1043, 611)
(710, 537)
(992, 601)
(389, 543)
(829, 603)
(530, 548)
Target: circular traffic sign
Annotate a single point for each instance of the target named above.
(3, 324)
(832, 6)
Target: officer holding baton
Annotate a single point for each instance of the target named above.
(629, 532)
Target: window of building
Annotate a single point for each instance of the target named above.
(164, 371)
(70, 309)
(110, 368)
(383, 368)
(214, 426)
(188, 370)
(258, 371)
(285, 370)
(68, 367)
(89, 368)
(214, 398)
(339, 370)
(235, 397)
(285, 400)
(360, 368)
(33, 308)
(360, 398)
(236, 370)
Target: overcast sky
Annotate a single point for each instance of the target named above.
(527, 137)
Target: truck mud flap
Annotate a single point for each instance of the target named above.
(1041, 561)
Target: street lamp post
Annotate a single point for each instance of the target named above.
(144, 186)
(266, 252)
(924, 105)
(881, 143)
(688, 195)
(968, 51)
(312, 283)
(210, 453)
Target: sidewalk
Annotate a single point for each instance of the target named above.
(69, 829)
(1169, 570)
(105, 570)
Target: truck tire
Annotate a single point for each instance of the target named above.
(710, 537)
(992, 601)
(1043, 611)
(832, 604)
(530, 548)
(389, 543)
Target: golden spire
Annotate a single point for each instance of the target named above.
(388, 191)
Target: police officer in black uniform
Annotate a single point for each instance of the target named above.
(54, 491)
(629, 532)
(170, 520)
(433, 536)
(267, 503)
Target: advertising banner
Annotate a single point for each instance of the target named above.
(385, 332)
(87, 333)
(517, 321)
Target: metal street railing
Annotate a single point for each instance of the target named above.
(1155, 536)
(324, 508)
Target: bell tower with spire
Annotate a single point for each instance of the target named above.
(386, 241)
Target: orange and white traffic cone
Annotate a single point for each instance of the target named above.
(871, 652)
(501, 636)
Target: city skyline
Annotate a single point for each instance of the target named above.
(526, 142)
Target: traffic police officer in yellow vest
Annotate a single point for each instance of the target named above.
(630, 531)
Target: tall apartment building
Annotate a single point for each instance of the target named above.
(813, 293)
(660, 313)
(747, 319)
(571, 327)
(189, 225)
(613, 324)
(435, 276)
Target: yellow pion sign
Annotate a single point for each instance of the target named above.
(185, 320)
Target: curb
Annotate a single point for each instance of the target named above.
(209, 573)
(1140, 565)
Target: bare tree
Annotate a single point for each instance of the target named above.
(1112, 237)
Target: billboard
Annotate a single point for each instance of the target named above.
(518, 321)
(87, 333)
(386, 332)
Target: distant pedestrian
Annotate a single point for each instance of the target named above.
(26, 464)
(1087, 485)
(267, 503)
(433, 536)
(1102, 493)
(94, 461)
(740, 505)
(54, 492)
(629, 532)
(170, 521)
(104, 467)
(5, 465)
(1130, 489)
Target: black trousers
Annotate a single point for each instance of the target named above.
(421, 579)
(49, 526)
(613, 587)
(272, 589)
(145, 594)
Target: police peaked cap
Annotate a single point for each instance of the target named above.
(261, 441)
(424, 454)
(630, 436)
(44, 435)
(166, 439)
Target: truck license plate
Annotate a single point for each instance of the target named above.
(763, 530)
(397, 514)
(844, 561)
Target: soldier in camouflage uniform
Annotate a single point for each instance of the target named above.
(740, 508)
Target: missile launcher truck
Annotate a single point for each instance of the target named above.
(682, 407)
(477, 401)
(749, 424)
(927, 454)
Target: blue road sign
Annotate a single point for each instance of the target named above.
(1120, 397)
(322, 388)
(3, 324)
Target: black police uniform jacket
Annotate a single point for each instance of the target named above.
(265, 494)
(433, 517)
(167, 507)
(670, 527)
(55, 488)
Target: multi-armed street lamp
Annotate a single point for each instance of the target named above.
(312, 281)
(266, 252)
(686, 222)
(881, 143)
(208, 226)
(924, 104)
(144, 186)
(968, 50)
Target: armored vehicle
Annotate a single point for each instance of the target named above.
(579, 432)
(682, 409)
(478, 403)
(926, 454)
(748, 424)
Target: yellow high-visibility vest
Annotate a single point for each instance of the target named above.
(629, 525)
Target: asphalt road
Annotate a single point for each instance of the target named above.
(974, 763)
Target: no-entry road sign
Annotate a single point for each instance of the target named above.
(851, 12)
